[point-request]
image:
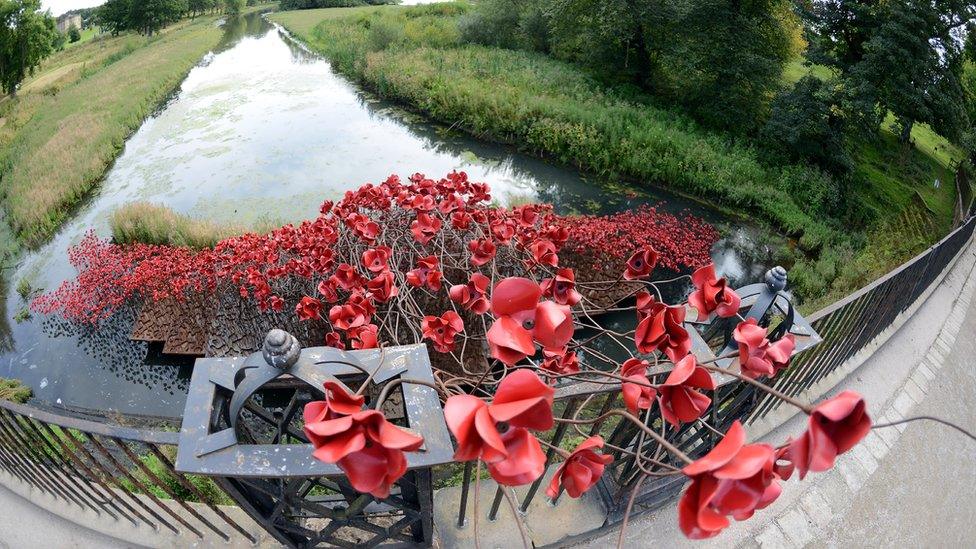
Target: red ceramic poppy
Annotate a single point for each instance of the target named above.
(525, 460)
(382, 287)
(734, 479)
(712, 294)
(662, 329)
(473, 296)
(328, 290)
(757, 356)
(474, 429)
(681, 398)
(509, 341)
(348, 317)
(347, 278)
(482, 251)
(367, 447)
(502, 231)
(377, 260)
(835, 426)
(581, 470)
(441, 330)
(514, 296)
(339, 401)
(426, 274)
(560, 361)
(562, 288)
(461, 220)
(641, 263)
(553, 325)
(543, 253)
(333, 339)
(638, 394)
(425, 227)
(308, 308)
(364, 337)
(523, 400)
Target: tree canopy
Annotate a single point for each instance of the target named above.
(27, 36)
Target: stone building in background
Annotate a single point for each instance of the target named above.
(67, 21)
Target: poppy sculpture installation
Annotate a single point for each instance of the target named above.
(510, 305)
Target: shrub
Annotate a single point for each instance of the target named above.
(14, 390)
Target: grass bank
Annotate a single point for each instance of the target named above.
(147, 223)
(416, 56)
(72, 118)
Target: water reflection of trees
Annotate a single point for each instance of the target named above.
(109, 348)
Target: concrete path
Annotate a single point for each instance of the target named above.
(23, 524)
(912, 485)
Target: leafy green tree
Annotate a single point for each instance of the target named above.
(27, 36)
(233, 7)
(912, 67)
(114, 15)
(726, 59)
(74, 35)
(148, 16)
(803, 125)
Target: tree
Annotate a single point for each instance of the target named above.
(27, 36)
(148, 16)
(912, 67)
(114, 15)
(74, 35)
(233, 7)
(725, 59)
(803, 125)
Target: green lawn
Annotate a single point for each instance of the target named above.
(71, 119)
(86, 35)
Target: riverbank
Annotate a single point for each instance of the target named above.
(416, 57)
(72, 119)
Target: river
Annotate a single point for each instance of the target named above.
(263, 130)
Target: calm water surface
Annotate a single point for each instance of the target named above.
(262, 130)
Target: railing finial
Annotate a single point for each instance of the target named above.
(280, 349)
(776, 279)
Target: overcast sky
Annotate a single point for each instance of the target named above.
(58, 7)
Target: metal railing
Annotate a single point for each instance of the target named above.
(846, 327)
(127, 474)
(123, 473)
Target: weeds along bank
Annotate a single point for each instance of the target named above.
(417, 56)
(72, 118)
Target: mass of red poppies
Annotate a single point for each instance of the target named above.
(433, 261)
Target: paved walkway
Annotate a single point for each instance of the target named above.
(23, 524)
(912, 485)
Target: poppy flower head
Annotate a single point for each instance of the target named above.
(835, 426)
(681, 398)
(636, 389)
(427, 274)
(482, 251)
(734, 479)
(641, 264)
(712, 294)
(562, 288)
(377, 260)
(662, 329)
(473, 296)
(757, 356)
(581, 470)
(308, 308)
(441, 330)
